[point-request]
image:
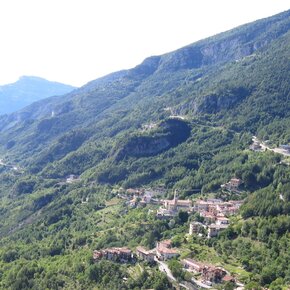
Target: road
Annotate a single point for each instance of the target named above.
(164, 268)
(13, 167)
(200, 284)
(265, 147)
(281, 197)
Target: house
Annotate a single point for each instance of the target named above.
(170, 208)
(217, 207)
(72, 178)
(133, 202)
(235, 182)
(147, 196)
(214, 229)
(164, 254)
(193, 265)
(228, 278)
(208, 217)
(286, 148)
(164, 243)
(208, 272)
(228, 208)
(175, 204)
(201, 205)
(236, 203)
(232, 185)
(213, 274)
(195, 227)
(256, 146)
(122, 255)
(145, 255)
(214, 200)
(222, 221)
(133, 191)
(163, 213)
(164, 251)
(231, 210)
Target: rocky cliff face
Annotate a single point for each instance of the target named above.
(168, 134)
(143, 146)
(234, 45)
(215, 102)
(226, 100)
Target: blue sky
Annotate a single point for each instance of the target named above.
(75, 41)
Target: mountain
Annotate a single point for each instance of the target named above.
(180, 121)
(26, 90)
(222, 76)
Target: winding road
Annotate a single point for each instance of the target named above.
(265, 147)
(164, 268)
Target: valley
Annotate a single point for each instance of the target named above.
(171, 175)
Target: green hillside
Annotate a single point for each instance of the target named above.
(183, 121)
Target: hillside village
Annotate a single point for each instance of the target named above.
(214, 217)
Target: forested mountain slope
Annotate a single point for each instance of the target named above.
(183, 120)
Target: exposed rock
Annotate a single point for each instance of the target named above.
(168, 134)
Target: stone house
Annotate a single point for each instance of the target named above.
(164, 251)
(145, 255)
(122, 255)
(214, 229)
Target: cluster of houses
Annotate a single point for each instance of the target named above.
(214, 213)
(258, 145)
(162, 252)
(233, 185)
(212, 208)
(170, 208)
(140, 197)
(122, 255)
(208, 272)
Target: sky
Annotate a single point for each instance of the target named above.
(76, 41)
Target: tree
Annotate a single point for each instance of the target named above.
(182, 217)
(176, 269)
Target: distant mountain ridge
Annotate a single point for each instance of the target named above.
(28, 89)
(192, 80)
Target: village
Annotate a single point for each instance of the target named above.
(214, 217)
(207, 274)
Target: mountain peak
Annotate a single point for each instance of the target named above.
(28, 89)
